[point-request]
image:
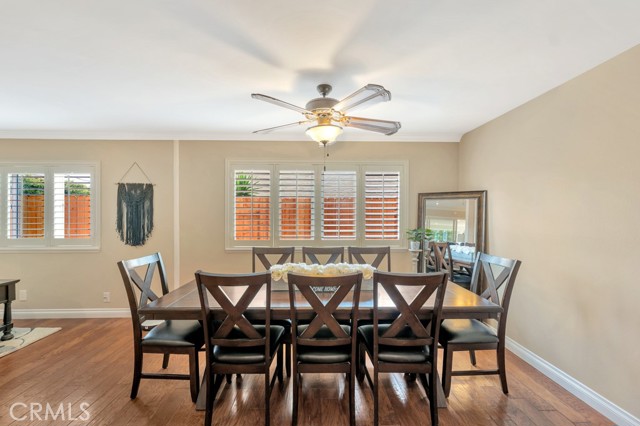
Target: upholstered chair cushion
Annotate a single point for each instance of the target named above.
(466, 331)
(175, 333)
(399, 354)
(324, 354)
(248, 354)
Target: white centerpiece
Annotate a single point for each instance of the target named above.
(279, 272)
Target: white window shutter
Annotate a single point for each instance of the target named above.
(72, 215)
(339, 195)
(296, 199)
(252, 205)
(382, 205)
(25, 205)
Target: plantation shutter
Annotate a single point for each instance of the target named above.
(296, 197)
(339, 190)
(252, 205)
(25, 205)
(382, 205)
(72, 214)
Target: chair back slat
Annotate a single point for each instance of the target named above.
(324, 314)
(429, 257)
(138, 289)
(334, 254)
(266, 255)
(357, 255)
(219, 332)
(410, 318)
(485, 282)
(443, 259)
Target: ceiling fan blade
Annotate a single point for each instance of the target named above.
(380, 126)
(371, 94)
(278, 102)
(270, 129)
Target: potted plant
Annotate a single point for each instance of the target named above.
(416, 235)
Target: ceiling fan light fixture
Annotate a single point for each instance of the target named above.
(324, 134)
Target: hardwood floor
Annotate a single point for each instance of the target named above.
(91, 362)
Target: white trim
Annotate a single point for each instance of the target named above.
(176, 214)
(598, 402)
(70, 313)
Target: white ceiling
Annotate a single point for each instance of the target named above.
(185, 69)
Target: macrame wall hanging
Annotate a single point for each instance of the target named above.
(134, 222)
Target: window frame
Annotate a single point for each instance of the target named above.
(274, 166)
(49, 242)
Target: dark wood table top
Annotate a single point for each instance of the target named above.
(183, 303)
(4, 282)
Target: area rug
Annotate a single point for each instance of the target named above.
(24, 337)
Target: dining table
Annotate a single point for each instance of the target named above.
(184, 303)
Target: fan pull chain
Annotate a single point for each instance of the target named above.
(324, 156)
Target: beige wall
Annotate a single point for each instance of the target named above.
(563, 177)
(432, 167)
(77, 280)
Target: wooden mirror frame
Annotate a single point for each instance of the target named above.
(481, 213)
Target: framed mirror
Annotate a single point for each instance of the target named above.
(456, 217)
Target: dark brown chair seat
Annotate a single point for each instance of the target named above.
(175, 333)
(467, 331)
(324, 354)
(399, 354)
(250, 354)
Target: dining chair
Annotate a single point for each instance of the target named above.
(429, 257)
(472, 334)
(268, 256)
(357, 255)
(335, 254)
(235, 345)
(320, 343)
(409, 344)
(168, 337)
(444, 262)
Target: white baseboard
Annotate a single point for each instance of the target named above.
(601, 404)
(70, 313)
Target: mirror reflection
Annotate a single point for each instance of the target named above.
(451, 220)
(457, 218)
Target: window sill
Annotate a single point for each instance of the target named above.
(83, 249)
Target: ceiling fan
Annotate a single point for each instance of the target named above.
(329, 114)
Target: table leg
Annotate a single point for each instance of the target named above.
(442, 400)
(7, 325)
(201, 402)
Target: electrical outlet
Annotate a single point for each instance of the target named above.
(106, 297)
(22, 295)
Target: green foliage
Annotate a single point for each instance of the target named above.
(244, 186)
(72, 188)
(32, 185)
(419, 234)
